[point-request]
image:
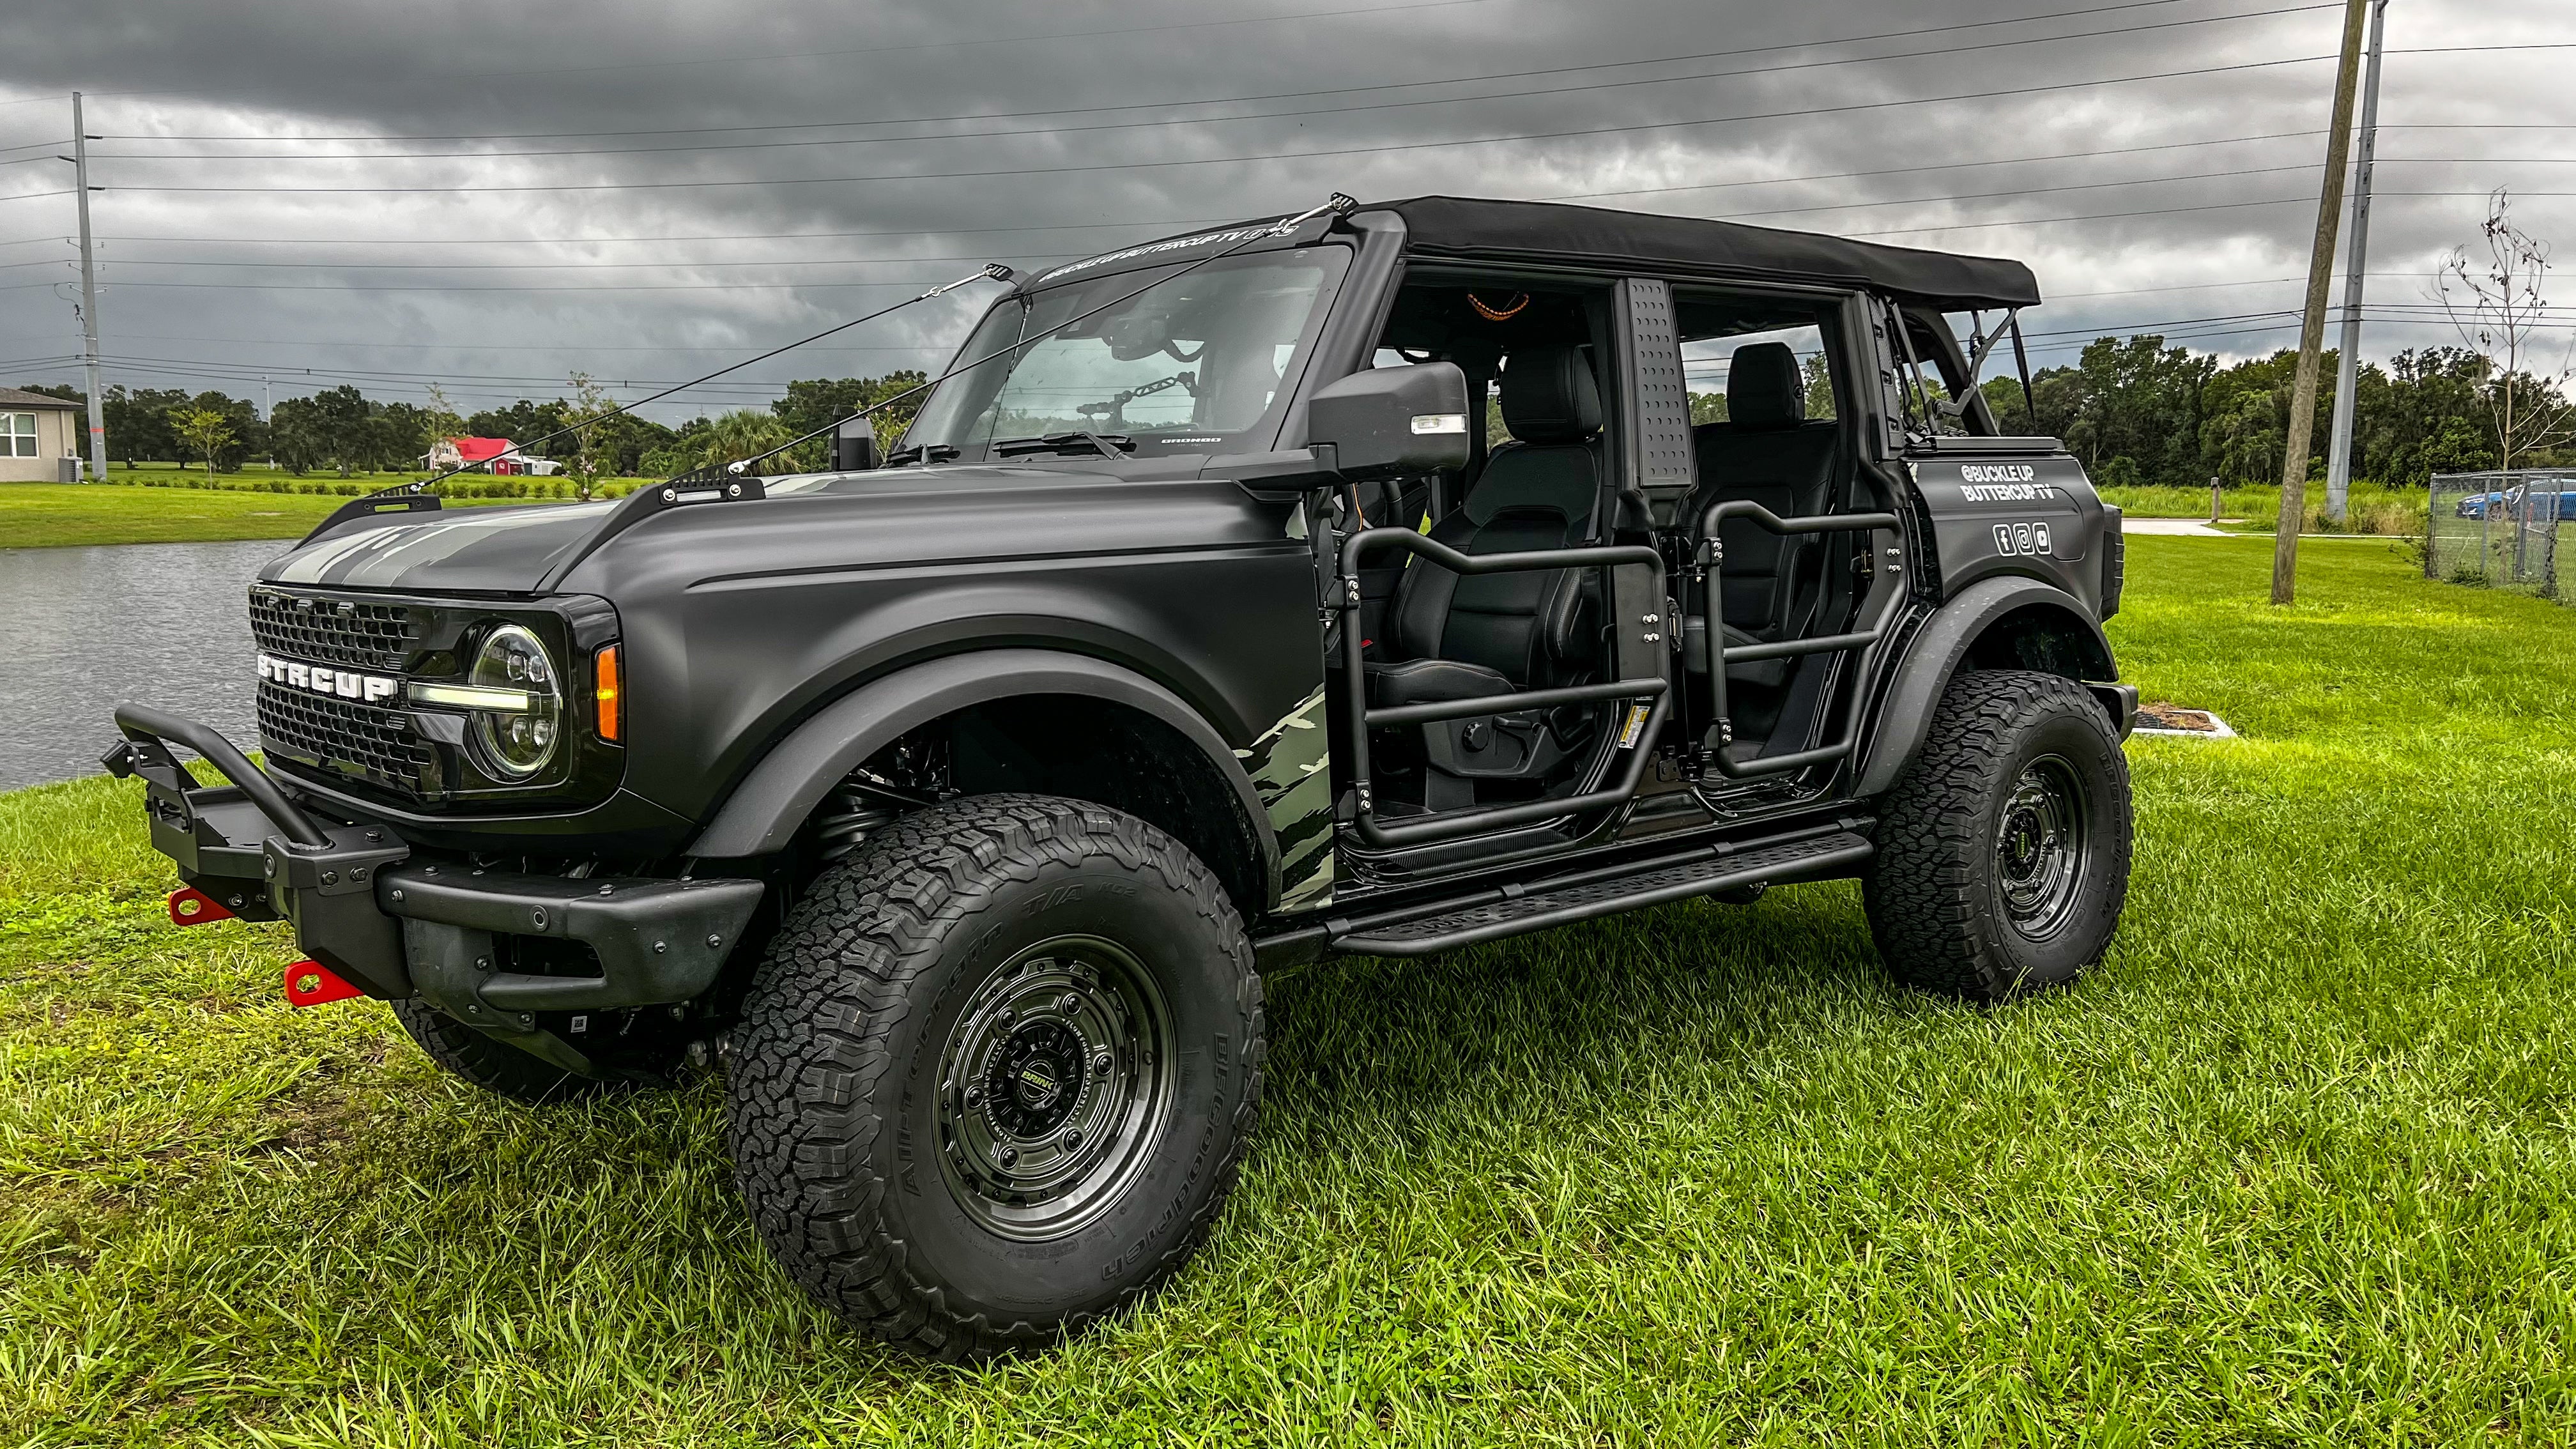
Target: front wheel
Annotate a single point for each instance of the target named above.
(995, 1076)
(2003, 852)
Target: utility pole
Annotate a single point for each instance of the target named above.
(2356, 265)
(2312, 325)
(89, 297)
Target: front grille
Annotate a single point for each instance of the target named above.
(327, 631)
(345, 735)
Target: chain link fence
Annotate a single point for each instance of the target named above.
(2500, 530)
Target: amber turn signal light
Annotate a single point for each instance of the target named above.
(604, 693)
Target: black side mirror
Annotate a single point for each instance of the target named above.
(854, 446)
(1391, 420)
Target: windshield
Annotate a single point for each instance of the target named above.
(1191, 366)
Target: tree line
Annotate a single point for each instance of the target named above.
(2134, 409)
(343, 430)
(2137, 411)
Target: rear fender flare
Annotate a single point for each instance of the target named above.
(764, 812)
(1942, 646)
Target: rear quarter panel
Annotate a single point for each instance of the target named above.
(2034, 515)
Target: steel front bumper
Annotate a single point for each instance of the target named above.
(395, 925)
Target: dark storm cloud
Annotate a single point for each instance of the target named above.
(407, 259)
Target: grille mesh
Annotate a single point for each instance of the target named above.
(343, 732)
(369, 636)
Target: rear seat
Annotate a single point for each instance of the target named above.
(1766, 452)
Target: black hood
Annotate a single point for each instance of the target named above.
(455, 550)
(890, 516)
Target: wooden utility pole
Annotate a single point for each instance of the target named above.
(2312, 326)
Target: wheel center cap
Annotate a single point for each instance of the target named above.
(1035, 1080)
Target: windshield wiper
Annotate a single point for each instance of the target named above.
(921, 453)
(1107, 445)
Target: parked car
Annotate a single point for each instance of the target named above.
(959, 806)
(2511, 500)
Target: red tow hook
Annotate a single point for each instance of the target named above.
(310, 983)
(192, 907)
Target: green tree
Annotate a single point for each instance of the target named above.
(584, 412)
(813, 403)
(521, 422)
(138, 424)
(204, 430)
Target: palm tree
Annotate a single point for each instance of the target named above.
(740, 434)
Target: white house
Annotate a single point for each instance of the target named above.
(36, 433)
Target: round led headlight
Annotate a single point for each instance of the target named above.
(517, 737)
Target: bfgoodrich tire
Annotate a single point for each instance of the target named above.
(2003, 852)
(996, 1074)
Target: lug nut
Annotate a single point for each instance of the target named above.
(1100, 1065)
(1007, 1017)
(1007, 1156)
(1070, 1004)
(1072, 1139)
(974, 1096)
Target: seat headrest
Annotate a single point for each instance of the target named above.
(1764, 388)
(1549, 396)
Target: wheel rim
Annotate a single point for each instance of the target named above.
(2042, 846)
(1055, 1087)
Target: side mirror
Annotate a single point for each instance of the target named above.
(1391, 420)
(854, 446)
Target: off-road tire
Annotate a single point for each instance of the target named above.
(843, 1114)
(1939, 892)
(496, 1066)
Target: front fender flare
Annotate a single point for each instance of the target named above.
(763, 812)
(1905, 712)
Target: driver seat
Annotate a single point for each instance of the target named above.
(1461, 636)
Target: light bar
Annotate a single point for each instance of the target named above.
(472, 696)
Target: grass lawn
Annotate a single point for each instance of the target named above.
(42, 515)
(2371, 509)
(2298, 1164)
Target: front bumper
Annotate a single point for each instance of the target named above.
(396, 924)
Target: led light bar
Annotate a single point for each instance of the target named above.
(472, 696)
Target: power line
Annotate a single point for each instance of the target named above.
(1137, 105)
(1588, 87)
(1179, 222)
(1983, 94)
(2308, 200)
(1058, 256)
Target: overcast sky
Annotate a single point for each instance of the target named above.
(494, 194)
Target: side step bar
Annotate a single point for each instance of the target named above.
(1514, 910)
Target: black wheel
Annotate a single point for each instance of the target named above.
(2003, 852)
(995, 1076)
(496, 1066)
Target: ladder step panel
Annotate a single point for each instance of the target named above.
(1541, 908)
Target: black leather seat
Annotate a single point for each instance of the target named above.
(1768, 453)
(1459, 636)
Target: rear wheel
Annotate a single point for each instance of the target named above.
(996, 1073)
(2003, 852)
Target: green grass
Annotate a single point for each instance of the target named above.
(2370, 508)
(2294, 1166)
(48, 515)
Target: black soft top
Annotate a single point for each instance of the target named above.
(1545, 230)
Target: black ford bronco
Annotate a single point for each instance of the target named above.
(1371, 582)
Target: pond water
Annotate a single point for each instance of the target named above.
(83, 630)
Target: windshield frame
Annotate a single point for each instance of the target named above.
(1090, 289)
